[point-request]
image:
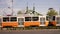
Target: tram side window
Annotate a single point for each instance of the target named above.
(5, 19)
(53, 18)
(47, 18)
(27, 18)
(41, 20)
(13, 19)
(35, 18)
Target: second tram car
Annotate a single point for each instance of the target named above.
(52, 20)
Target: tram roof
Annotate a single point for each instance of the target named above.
(25, 15)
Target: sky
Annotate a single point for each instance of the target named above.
(41, 6)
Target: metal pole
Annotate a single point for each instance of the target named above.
(59, 11)
(12, 7)
(27, 8)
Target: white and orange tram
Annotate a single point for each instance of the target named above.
(27, 21)
(13, 21)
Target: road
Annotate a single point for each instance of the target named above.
(42, 31)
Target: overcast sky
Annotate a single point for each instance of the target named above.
(41, 6)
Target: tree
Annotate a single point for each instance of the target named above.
(19, 12)
(30, 12)
(51, 12)
(33, 12)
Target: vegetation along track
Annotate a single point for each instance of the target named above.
(30, 28)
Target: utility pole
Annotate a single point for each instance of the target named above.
(12, 7)
(33, 8)
(27, 8)
(59, 11)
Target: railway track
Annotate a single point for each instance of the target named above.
(30, 28)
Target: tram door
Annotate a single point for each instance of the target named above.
(58, 21)
(21, 21)
(42, 21)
